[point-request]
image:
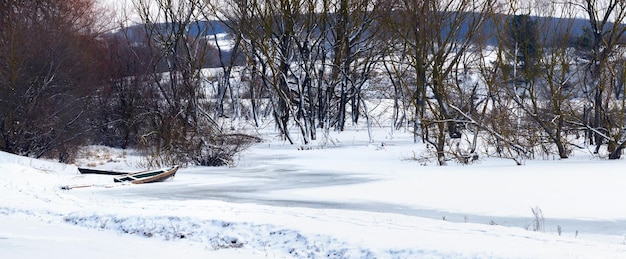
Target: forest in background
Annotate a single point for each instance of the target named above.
(514, 79)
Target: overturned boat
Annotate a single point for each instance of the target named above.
(84, 170)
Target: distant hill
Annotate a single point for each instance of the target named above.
(198, 28)
(546, 25)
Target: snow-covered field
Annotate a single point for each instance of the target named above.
(349, 199)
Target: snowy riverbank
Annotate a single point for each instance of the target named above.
(350, 200)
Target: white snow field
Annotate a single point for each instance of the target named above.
(347, 199)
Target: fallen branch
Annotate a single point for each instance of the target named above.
(517, 147)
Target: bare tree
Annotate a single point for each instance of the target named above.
(180, 129)
(267, 29)
(535, 64)
(599, 49)
(122, 104)
(436, 38)
(550, 100)
(355, 53)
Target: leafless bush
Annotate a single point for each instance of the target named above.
(463, 153)
(538, 224)
(425, 158)
(212, 148)
(225, 148)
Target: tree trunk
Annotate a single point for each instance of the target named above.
(617, 153)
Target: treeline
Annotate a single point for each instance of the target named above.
(514, 79)
(68, 78)
(470, 78)
(47, 74)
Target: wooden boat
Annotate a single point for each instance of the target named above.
(148, 176)
(100, 171)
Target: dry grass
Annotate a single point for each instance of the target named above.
(93, 156)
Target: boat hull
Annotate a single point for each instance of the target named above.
(152, 176)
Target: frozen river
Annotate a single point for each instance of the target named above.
(274, 181)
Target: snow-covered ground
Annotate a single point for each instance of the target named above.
(348, 199)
